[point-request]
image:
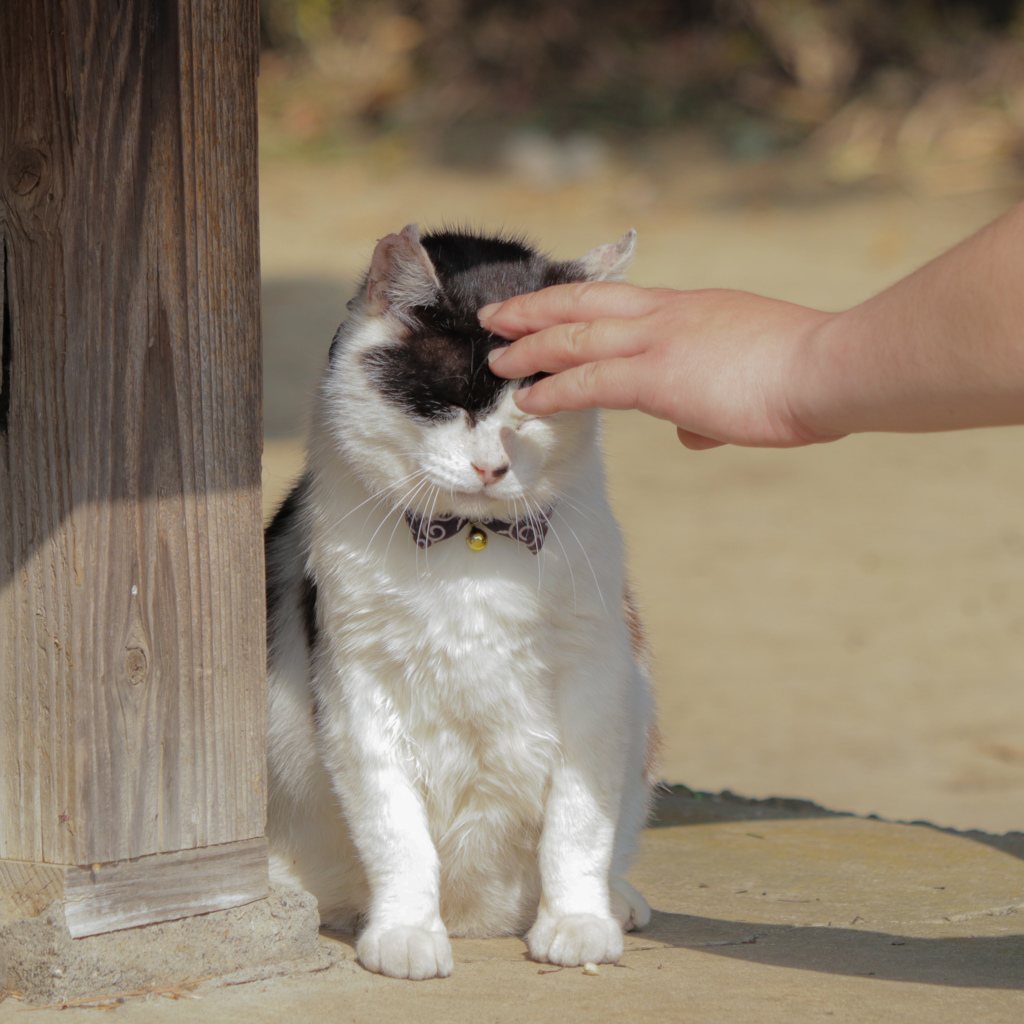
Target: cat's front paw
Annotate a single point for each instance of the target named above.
(575, 939)
(405, 951)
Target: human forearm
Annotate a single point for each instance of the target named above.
(941, 349)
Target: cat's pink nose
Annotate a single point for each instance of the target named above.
(488, 474)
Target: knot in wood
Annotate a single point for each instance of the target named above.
(25, 170)
(136, 664)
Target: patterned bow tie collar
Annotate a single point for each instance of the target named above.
(530, 532)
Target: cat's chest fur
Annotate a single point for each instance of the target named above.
(457, 651)
(462, 645)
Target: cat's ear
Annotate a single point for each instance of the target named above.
(610, 262)
(401, 275)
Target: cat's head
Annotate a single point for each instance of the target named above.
(409, 397)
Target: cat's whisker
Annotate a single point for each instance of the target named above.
(382, 491)
(427, 504)
(563, 500)
(561, 482)
(399, 505)
(389, 495)
(534, 523)
(380, 498)
(568, 563)
(402, 507)
(585, 555)
(435, 491)
(514, 517)
(535, 515)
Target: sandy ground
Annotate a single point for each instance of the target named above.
(843, 623)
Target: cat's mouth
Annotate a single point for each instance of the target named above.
(476, 504)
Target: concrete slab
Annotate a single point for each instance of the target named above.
(42, 962)
(765, 911)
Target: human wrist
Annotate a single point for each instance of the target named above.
(820, 377)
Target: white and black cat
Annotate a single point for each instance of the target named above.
(460, 715)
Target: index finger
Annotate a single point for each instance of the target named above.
(558, 348)
(563, 304)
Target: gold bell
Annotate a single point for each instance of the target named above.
(477, 539)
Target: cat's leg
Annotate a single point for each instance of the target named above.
(628, 907)
(574, 920)
(575, 924)
(404, 936)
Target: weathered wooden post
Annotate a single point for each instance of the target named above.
(131, 595)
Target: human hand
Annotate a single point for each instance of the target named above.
(725, 367)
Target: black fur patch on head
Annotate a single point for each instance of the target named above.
(439, 366)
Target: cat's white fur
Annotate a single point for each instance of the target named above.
(480, 716)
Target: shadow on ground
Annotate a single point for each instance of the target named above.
(969, 962)
(680, 805)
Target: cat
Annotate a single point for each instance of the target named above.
(460, 723)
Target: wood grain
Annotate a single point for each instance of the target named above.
(161, 887)
(26, 890)
(131, 596)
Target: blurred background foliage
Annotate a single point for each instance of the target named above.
(927, 94)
